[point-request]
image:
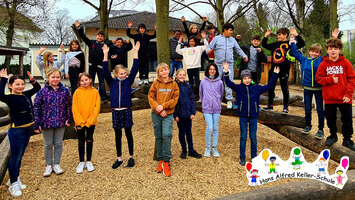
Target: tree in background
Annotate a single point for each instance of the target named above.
(162, 23)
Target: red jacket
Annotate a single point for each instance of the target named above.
(333, 93)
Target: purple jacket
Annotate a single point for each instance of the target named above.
(52, 108)
(211, 94)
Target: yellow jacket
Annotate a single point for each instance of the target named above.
(165, 94)
(86, 106)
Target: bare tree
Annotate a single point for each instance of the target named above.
(162, 20)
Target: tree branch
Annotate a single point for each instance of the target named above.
(247, 7)
(293, 17)
(189, 7)
(91, 4)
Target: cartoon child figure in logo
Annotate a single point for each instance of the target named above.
(321, 166)
(340, 177)
(297, 156)
(254, 176)
(272, 164)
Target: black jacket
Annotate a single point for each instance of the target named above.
(95, 49)
(143, 39)
(121, 53)
(261, 59)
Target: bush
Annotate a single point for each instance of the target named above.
(13, 69)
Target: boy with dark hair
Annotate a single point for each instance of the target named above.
(223, 46)
(95, 57)
(278, 50)
(118, 51)
(143, 53)
(337, 77)
(175, 58)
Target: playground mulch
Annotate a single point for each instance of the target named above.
(192, 178)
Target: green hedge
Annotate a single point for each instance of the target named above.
(13, 69)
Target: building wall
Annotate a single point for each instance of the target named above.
(348, 34)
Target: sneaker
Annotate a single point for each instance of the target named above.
(306, 130)
(215, 152)
(140, 83)
(146, 82)
(319, 135)
(348, 143)
(22, 186)
(134, 90)
(130, 163)
(242, 162)
(183, 155)
(80, 168)
(330, 141)
(286, 111)
(229, 105)
(58, 170)
(47, 171)
(268, 107)
(117, 164)
(15, 189)
(166, 169)
(160, 166)
(195, 154)
(207, 152)
(89, 166)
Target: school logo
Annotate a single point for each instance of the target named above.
(268, 167)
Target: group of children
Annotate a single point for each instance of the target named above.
(54, 108)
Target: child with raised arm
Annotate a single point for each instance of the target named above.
(163, 97)
(279, 50)
(19, 133)
(211, 94)
(121, 103)
(95, 57)
(337, 77)
(52, 113)
(192, 58)
(143, 53)
(74, 64)
(47, 62)
(118, 51)
(193, 30)
(248, 96)
(184, 113)
(86, 109)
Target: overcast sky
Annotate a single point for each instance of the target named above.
(79, 10)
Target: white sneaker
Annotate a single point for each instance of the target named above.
(229, 105)
(80, 168)
(58, 170)
(15, 190)
(89, 166)
(207, 152)
(215, 152)
(146, 82)
(22, 186)
(140, 82)
(47, 171)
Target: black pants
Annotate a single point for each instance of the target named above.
(330, 112)
(74, 78)
(194, 79)
(184, 125)
(143, 67)
(284, 87)
(118, 138)
(89, 142)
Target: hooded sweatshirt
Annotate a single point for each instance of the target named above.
(86, 106)
(211, 94)
(333, 93)
(192, 55)
(165, 94)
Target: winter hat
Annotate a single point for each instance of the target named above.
(245, 73)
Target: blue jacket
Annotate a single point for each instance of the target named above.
(186, 105)
(120, 95)
(248, 96)
(309, 67)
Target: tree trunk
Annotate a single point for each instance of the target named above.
(220, 15)
(333, 15)
(162, 20)
(104, 18)
(300, 5)
(11, 11)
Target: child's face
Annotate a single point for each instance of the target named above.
(339, 172)
(281, 37)
(54, 79)
(85, 81)
(119, 43)
(100, 38)
(181, 76)
(74, 46)
(313, 54)
(272, 160)
(164, 72)
(177, 35)
(194, 29)
(255, 43)
(141, 30)
(228, 33)
(333, 52)
(246, 80)
(50, 58)
(122, 74)
(18, 86)
(212, 70)
(211, 31)
(192, 43)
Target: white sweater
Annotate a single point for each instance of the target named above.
(192, 55)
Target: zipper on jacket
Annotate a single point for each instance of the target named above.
(256, 108)
(312, 72)
(303, 76)
(241, 105)
(225, 50)
(119, 94)
(55, 108)
(248, 101)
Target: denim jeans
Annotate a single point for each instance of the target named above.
(253, 125)
(53, 137)
(92, 71)
(163, 131)
(174, 65)
(88, 138)
(308, 95)
(185, 125)
(212, 120)
(18, 138)
(229, 92)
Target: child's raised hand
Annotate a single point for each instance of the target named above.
(238, 37)
(225, 66)
(183, 18)
(136, 47)
(292, 39)
(130, 23)
(293, 32)
(41, 49)
(180, 38)
(77, 23)
(105, 48)
(62, 48)
(155, 27)
(205, 19)
(30, 76)
(268, 32)
(126, 41)
(203, 34)
(3, 73)
(277, 69)
(335, 33)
